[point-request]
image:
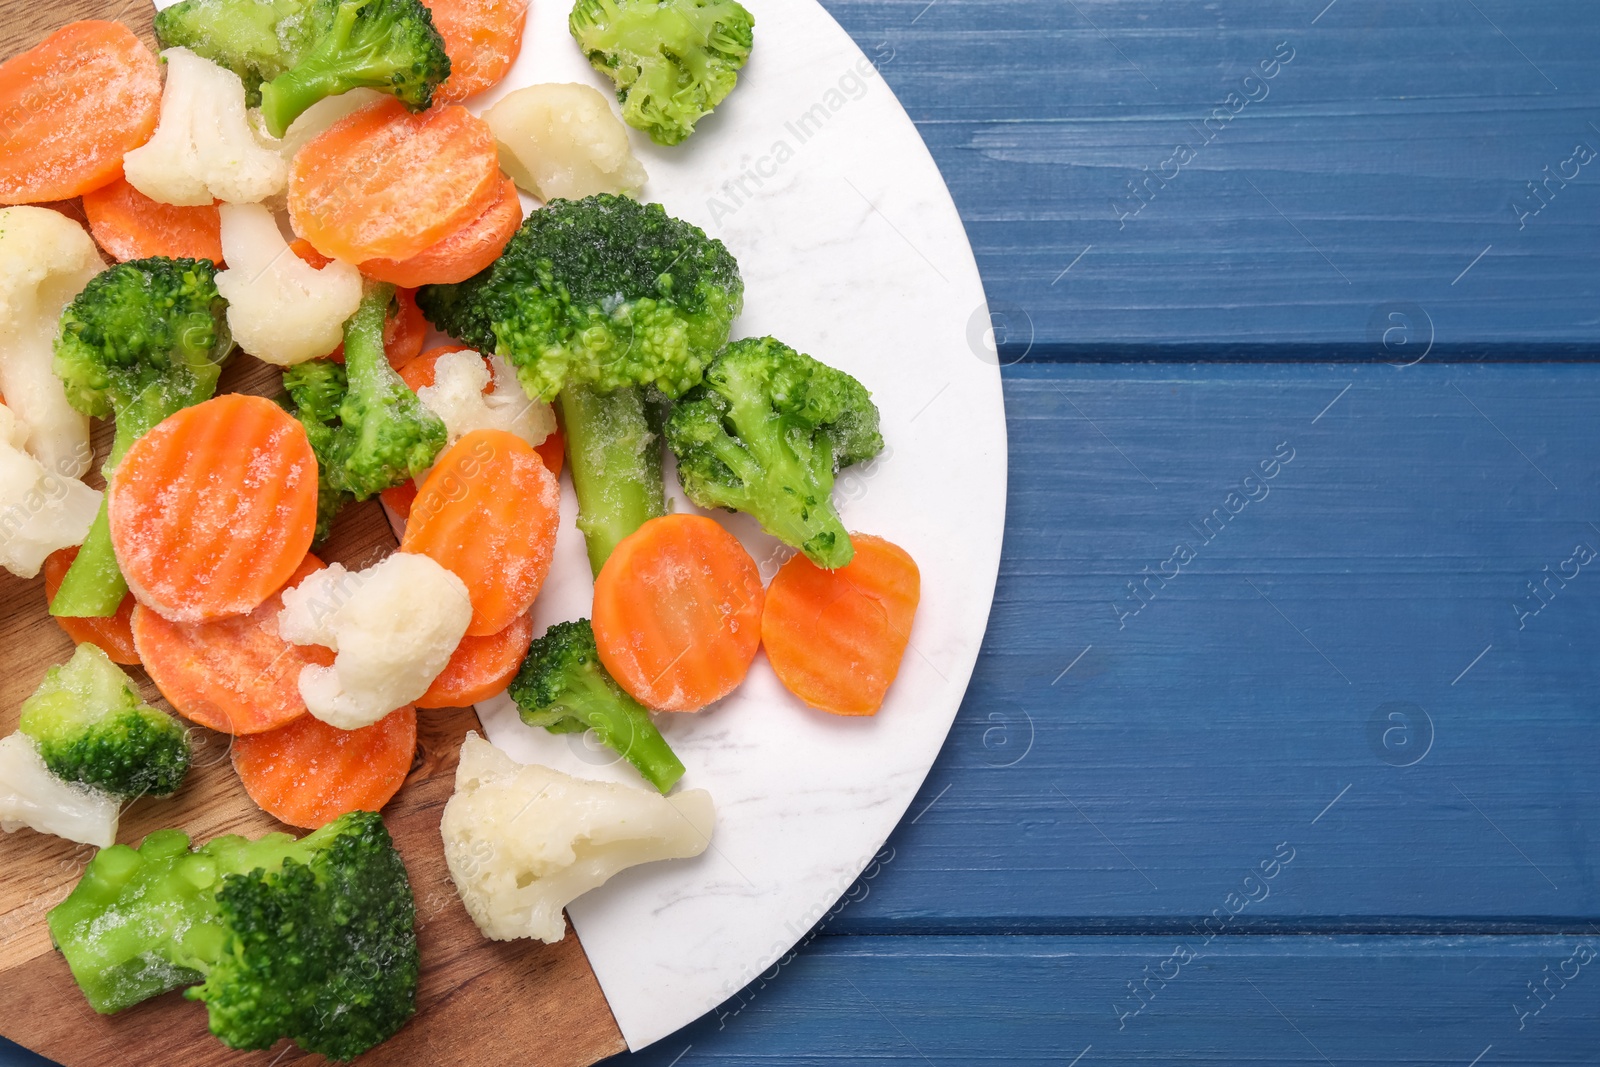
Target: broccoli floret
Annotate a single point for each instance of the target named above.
(672, 60)
(92, 728)
(313, 940)
(766, 434)
(315, 390)
(256, 39)
(564, 687)
(141, 341)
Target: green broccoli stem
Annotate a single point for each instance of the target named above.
(321, 74)
(616, 465)
(623, 725)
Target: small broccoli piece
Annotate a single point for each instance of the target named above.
(141, 341)
(766, 434)
(313, 940)
(315, 390)
(256, 39)
(92, 728)
(564, 687)
(672, 60)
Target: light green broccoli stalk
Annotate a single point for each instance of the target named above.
(143, 340)
(615, 460)
(766, 433)
(672, 60)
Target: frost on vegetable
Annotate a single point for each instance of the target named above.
(393, 625)
(280, 308)
(320, 117)
(203, 148)
(33, 797)
(562, 140)
(457, 396)
(45, 260)
(522, 841)
(40, 511)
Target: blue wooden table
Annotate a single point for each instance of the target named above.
(1283, 745)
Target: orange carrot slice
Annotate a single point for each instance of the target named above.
(309, 255)
(214, 508)
(482, 39)
(488, 513)
(71, 107)
(235, 675)
(399, 498)
(383, 183)
(461, 254)
(308, 773)
(130, 225)
(481, 667)
(113, 635)
(677, 612)
(836, 638)
(553, 450)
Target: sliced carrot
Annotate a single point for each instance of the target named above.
(399, 498)
(309, 255)
(482, 39)
(214, 508)
(481, 667)
(235, 675)
(553, 450)
(423, 371)
(383, 183)
(71, 107)
(113, 635)
(836, 638)
(677, 612)
(461, 254)
(308, 773)
(488, 513)
(130, 225)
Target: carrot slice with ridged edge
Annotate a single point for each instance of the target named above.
(129, 225)
(214, 509)
(461, 254)
(480, 667)
(308, 773)
(677, 613)
(113, 635)
(482, 38)
(71, 107)
(836, 638)
(235, 675)
(488, 513)
(383, 183)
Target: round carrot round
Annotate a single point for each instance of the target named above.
(308, 773)
(677, 612)
(235, 675)
(480, 667)
(836, 638)
(113, 635)
(214, 508)
(459, 255)
(482, 39)
(384, 183)
(71, 107)
(488, 513)
(129, 225)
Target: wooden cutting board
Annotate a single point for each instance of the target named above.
(480, 1002)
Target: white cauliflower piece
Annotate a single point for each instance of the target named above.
(316, 119)
(31, 796)
(457, 397)
(281, 309)
(40, 511)
(203, 148)
(393, 625)
(523, 841)
(45, 260)
(563, 140)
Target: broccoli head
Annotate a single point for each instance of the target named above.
(672, 60)
(141, 341)
(92, 728)
(564, 687)
(313, 940)
(256, 39)
(766, 433)
(315, 390)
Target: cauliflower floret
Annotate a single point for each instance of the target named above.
(562, 140)
(45, 260)
(393, 625)
(40, 511)
(523, 841)
(31, 796)
(203, 148)
(457, 397)
(280, 308)
(316, 119)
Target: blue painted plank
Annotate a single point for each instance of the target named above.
(1364, 178)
